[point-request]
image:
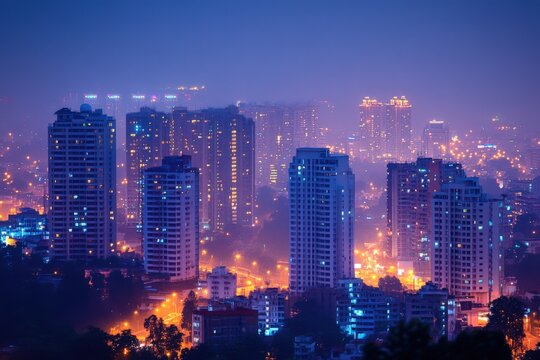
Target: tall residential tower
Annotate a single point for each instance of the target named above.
(171, 219)
(82, 184)
(467, 241)
(147, 142)
(409, 190)
(321, 219)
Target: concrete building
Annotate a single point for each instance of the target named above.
(279, 130)
(147, 142)
(223, 327)
(410, 187)
(467, 241)
(171, 219)
(82, 184)
(436, 140)
(385, 131)
(222, 145)
(221, 284)
(321, 219)
(270, 304)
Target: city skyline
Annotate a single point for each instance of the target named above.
(276, 180)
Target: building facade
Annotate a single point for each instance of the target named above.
(270, 304)
(223, 327)
(410, 187)
(279, 130)
(222, 145)
(436, 140)
(385, 131)
(82, 184)
(467, 241)
(321, 219)
(147, 142)
(221, 284)
(170, 221)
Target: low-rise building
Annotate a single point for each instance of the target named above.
(221, 283)
(270, 304)
(223, 326)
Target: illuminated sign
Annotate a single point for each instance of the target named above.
(113, 97)
(138, 97)
(90, 96)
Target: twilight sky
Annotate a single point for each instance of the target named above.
(461, 61)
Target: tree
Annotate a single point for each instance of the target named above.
(94, 344)
(405, 341)
(125, 293)
(123, 344)
(165, 341)
(506, 315)
(190, 304)
(477, 344)
(173, 341)
(156, 334)
(390, 284)
(311, 321)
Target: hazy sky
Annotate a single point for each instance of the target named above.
(460, 61)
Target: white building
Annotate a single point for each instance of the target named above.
(171, 219)
(221, 283)
(321, 221)
(467, 241)
(270, 305)
(82, 184)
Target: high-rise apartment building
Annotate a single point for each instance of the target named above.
(467, 241)
(385, 130)
(222, 145)
(279, 130)
(171, 219)
(398, 129)
(147, 142)
(410, 187)
(321, 219)
(371, 132)
(82, 184)
(436, 139)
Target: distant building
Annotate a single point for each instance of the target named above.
(270, 304)
(171, 219)
(385, 130)
(221, 284)
(223, 327)
(82, 184)
(321, 219)
(28, 227)
(221, 143)
(436, 140)
(467, 241)
(279, 130)
(432, 306)
(147, 142)
(410, 187)
(363, 310)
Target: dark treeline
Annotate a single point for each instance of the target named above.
(58, 317)
(46, 305)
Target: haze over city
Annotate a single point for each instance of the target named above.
(457, 61)
(277, 180)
